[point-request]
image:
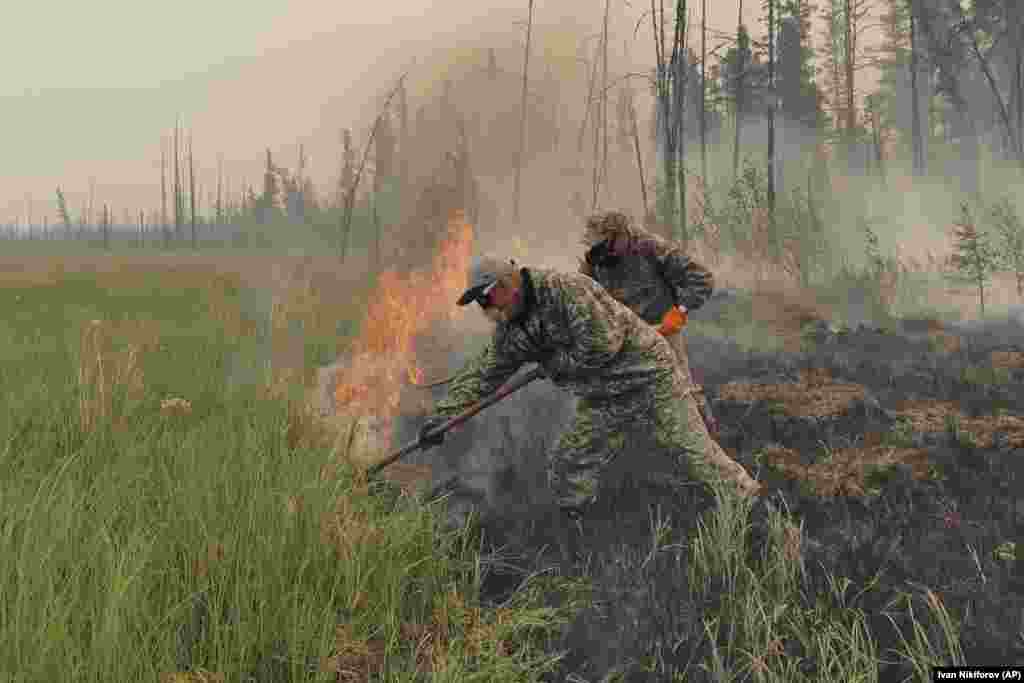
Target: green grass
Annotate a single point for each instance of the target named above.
(135, 544)
(144, 544)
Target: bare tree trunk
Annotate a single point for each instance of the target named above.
(916, 140)
(740, 85)
(403, 157)
(90, 220)
(663, 83)
(680, 82)
(192, 189)
(220, 200)
(587, 107)
(522, 117)
(595, 182)
(178, 207)
(1019, 87)
(703, 92)
(850, 62)
(604, 95)
(639, 159)
(350, 192)
(771, 114)
(1004, 115)
(163, 191)
(106, 227)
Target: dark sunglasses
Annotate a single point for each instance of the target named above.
(484, 298)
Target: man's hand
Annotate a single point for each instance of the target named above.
(673, 321)
(430, 425)
(556, 365)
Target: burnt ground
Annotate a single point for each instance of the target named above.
(901, 451)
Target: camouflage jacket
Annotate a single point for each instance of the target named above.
(586, 341)
(654, 276)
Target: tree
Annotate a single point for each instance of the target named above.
(986, 21)
(179, 207)
(268, 199)
(219, 205)
(384, 157)
(703, 92)
(974, 258)
(62, 211)
(771, 114)
(522, 116)
(1010, 229)
(846, 25)
(794, 69)
(106, 227)
(164, 228)
(348, 167)
(737, 62)
(671, 70)
(192, 190)
(404, 153)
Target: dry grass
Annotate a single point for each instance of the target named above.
(199, 676)
(1007, 360)
(104, 376)
(817, 394)
(932, 415)
(846, 470)
(355, 660)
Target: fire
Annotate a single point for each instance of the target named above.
(404, 305)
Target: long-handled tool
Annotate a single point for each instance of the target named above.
(504, 391)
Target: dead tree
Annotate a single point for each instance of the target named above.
(350, 194)
(670, 88)
(771, 115)
(704, 91)
(522, 117)
(163, 192)
(192, 189)
(916, 139)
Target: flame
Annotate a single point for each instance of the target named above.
(416, 375)
(404, 305)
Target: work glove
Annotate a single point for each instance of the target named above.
(430, 425)
(673, 321)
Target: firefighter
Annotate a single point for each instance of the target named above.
(653, 277)
(623, 372)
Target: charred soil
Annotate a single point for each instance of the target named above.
(900, 454)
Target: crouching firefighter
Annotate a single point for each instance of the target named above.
(622, 371)
(654, 278)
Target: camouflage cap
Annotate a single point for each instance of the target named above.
(601, 226)
(483, 275)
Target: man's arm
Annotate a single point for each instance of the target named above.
(597, 326)
(690, 281)
(480, 377)
(585, 268)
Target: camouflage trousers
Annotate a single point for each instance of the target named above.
(599, 435)
(678, 344)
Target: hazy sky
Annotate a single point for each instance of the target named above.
(90, 87)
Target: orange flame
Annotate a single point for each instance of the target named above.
(404, 305)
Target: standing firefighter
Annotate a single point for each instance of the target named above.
(653, 277)
(621, 370)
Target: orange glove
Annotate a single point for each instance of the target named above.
(673, 321)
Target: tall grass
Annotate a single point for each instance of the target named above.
(153, 523)
(765, 623)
